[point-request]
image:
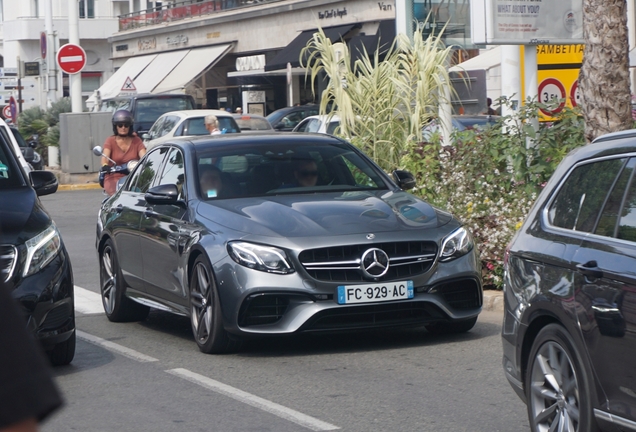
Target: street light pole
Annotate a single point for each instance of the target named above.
(73, 37)
(51, 67)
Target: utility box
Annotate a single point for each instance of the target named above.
(79, 133)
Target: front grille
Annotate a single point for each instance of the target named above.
(8, 260)
(262, 309)
(342, 263)
(461, 294)
(374, 316)
(57, 317)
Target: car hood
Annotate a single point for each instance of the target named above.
(24, 218)
(324, 214)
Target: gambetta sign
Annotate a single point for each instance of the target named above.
(527, 22)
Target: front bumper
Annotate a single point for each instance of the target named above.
(47, 301)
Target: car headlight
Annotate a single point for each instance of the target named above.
(41, 250)
(264, 258)
(457, 244)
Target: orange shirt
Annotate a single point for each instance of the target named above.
(120, 157)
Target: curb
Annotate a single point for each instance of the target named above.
(87, 186)
(493, 301)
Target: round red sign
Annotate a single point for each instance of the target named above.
(551, 91)
(71, 58)
(6, 112)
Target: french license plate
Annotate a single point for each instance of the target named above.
(378, 292)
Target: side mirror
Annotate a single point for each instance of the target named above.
(279, 126)
(145, 137)
(44, 182)
(404, 179)
(97, 150)
(163, 194)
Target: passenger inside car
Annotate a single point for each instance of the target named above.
(211, 183)
(306, 173)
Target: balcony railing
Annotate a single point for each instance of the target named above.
(182, 10)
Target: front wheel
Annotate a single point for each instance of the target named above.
(205, 311)
(117, 306)
(558, 388)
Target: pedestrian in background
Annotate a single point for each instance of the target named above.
(238, 110)
(490, 110)
(28, 393)
(212, 124)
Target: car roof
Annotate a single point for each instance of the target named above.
(197, 113)
(257, 138)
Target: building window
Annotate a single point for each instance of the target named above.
(455, 15)
(87, 8)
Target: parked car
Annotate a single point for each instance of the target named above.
(146, 108)
(319, 124)
(20, 153)
(294, 233)
(569, 328)
(461, 123)
(28, 148)
(285, 119)
(187, 123)
(249, 123)
(33, 260)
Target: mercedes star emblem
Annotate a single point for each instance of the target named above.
(375, 263)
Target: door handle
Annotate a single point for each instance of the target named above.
(148, 213)
(590, 269)
(119, 209)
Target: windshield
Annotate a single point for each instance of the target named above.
(260, 171)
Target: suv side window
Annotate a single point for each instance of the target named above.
(173, 171)
(156, 128)
(579, 200)
(167, 125)
(144, 175)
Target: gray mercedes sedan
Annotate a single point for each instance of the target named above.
(252, 235)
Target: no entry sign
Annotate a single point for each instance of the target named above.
(71, 58)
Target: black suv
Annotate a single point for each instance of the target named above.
(34, 263)
(286, 119)
(147, 108)
(569, 329)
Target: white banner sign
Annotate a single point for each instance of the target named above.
(527, 22)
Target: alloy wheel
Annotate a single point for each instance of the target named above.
(554, 393)
(109, 280)
(201, 304)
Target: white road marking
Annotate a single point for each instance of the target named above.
(255, 401)
(87, 302)
(111, 346)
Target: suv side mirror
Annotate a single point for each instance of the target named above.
(404, 179)
(279, 126)
(44, 182)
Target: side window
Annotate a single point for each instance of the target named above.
(579, 201)
(313, 125)
(331, 128)
(302, 126)
(145, 175)
(627, 222)
(173, 171)
(609, 216)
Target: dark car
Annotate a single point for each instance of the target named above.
(33, 260)
(569, 329)
(286, 119)
(255, 253)
(146, 108)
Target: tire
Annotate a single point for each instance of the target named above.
(558, 387)
(444, 327)
(117, 306)
(205, 311)
(63, 353)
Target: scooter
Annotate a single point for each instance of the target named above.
(113, 169)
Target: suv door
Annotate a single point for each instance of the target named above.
(605, 284)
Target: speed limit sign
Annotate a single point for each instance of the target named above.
(552, 91)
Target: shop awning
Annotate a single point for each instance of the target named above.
(131, 68)
(484, 61)
(382, 40)
(165, 72)
(195, 62)
(291, 53)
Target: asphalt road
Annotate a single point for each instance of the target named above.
(150, 376)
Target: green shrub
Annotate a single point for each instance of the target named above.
(490, 178)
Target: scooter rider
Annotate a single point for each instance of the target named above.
(122, 147)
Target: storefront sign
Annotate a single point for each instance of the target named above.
(527, 22)
(147, 44)
(385, 6)
(123, 47)
(332, 13)
(177, 40)
(248, 63)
